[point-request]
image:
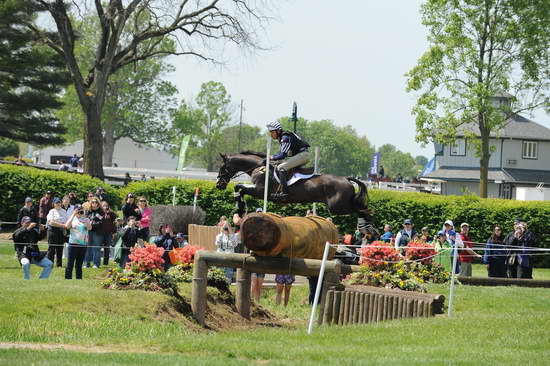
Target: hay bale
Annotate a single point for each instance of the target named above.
(179, 217)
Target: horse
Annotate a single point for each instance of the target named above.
(338, 193)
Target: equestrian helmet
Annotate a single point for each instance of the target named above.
(274, 126)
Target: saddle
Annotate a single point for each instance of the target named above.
(301, 170)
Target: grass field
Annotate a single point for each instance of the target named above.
(491, 326)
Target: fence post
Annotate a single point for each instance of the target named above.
(198, 291)
(243, 292)
(453, 278)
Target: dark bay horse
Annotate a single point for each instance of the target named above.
(338, 193)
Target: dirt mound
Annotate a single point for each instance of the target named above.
(221, 313)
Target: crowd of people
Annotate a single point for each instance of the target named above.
(506, 256)
(87, 230)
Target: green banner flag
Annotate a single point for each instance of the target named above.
(183, 150)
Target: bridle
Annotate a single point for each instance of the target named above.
(224, 173)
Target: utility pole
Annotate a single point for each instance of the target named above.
(294, 115)
(240, 125)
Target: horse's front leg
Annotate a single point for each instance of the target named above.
(242, 189)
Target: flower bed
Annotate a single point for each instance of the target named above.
(383, 266)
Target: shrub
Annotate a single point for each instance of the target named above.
(146, 259)
(185, 255)
(18, 182)
(8, 147)
(184, 273)
(127, 279)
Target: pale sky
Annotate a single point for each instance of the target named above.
(343, 61)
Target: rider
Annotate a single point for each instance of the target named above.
(292, 146)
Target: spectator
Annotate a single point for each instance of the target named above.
(520, 263)
(130, 234)
(405, 235)
(284, 284)
(108, 230)
(381, 172)
(74, 162)
(387, 236)
(181, 239)
(443, 248)
(44, 207)
(143, 178)
(56, 219)
(495, 254)
(74, 199)
(425, 235)
(100, 194)
(127, 179)
(222, 221)
(25, 240)
(130, 208)
(466, 255)
(28, 210)
(226, 242)
(86, 205)
(166, 240)
(79, 226)
(145, 220)
(450, 234)
(64, 167)
(95, 214)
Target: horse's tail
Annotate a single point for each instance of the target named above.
(360, 199)
(360, 202)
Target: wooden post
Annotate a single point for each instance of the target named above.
(336, 307)
(341, 318)
(329, 303)
(380, 308)
(347, 304)
(243, 292)
(427, 309)
(330, 280)
(361, 310)
(390, 308)
(409, 308)
(354, 308)
(372, 308)
(198, 291)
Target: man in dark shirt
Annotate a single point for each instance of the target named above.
(44, 207)
(25, 240)
(28, 210)
(520, 263)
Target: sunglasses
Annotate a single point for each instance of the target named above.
(95, 203)
(142, 200)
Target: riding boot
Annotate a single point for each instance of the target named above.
(284, 186)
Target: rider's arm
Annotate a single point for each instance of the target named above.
(285, 148)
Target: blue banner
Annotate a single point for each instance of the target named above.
(374, 163)
(429, 167)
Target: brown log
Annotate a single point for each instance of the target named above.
(366, 308)
(269, 234)
(427, 309)
(395, 307)
(390, 308)
(336, 307)
(342, 320)
(410, 308)
(327, 311)
(380, 308)
(331, 279)
(420, 310)
(372, 308)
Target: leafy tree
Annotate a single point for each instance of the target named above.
(480, 49)
(138, 104)
(8, 148)
(252, 138)
(133, 31)
(421, 160)
(31, 77)
(205, 122)
(396, 162)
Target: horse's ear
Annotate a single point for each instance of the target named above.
(224, 157)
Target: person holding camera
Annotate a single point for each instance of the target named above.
(96, 237)
(78, 225)
(56, 219)
(520, 263)
(226, 242)
(166, 240)
(130, 235)
(25, 240)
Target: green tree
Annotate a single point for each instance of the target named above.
(31, 77)
(397, 162)
(252, 138)
(8, 148)
(480, 49)
(421, 160)
(205, 122)
(133, 31)
(139, 103)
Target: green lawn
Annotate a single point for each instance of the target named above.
(491, 326)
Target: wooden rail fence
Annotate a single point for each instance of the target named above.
(365, 304)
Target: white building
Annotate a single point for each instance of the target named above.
(127, 154)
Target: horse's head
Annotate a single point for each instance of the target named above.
(232, 164)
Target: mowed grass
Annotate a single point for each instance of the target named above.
(490, 326)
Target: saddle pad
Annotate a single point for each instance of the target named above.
(295, 177)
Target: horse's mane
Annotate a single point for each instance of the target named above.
(256, 153)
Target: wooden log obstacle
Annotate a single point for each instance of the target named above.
(247, 264)
(365, 304)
